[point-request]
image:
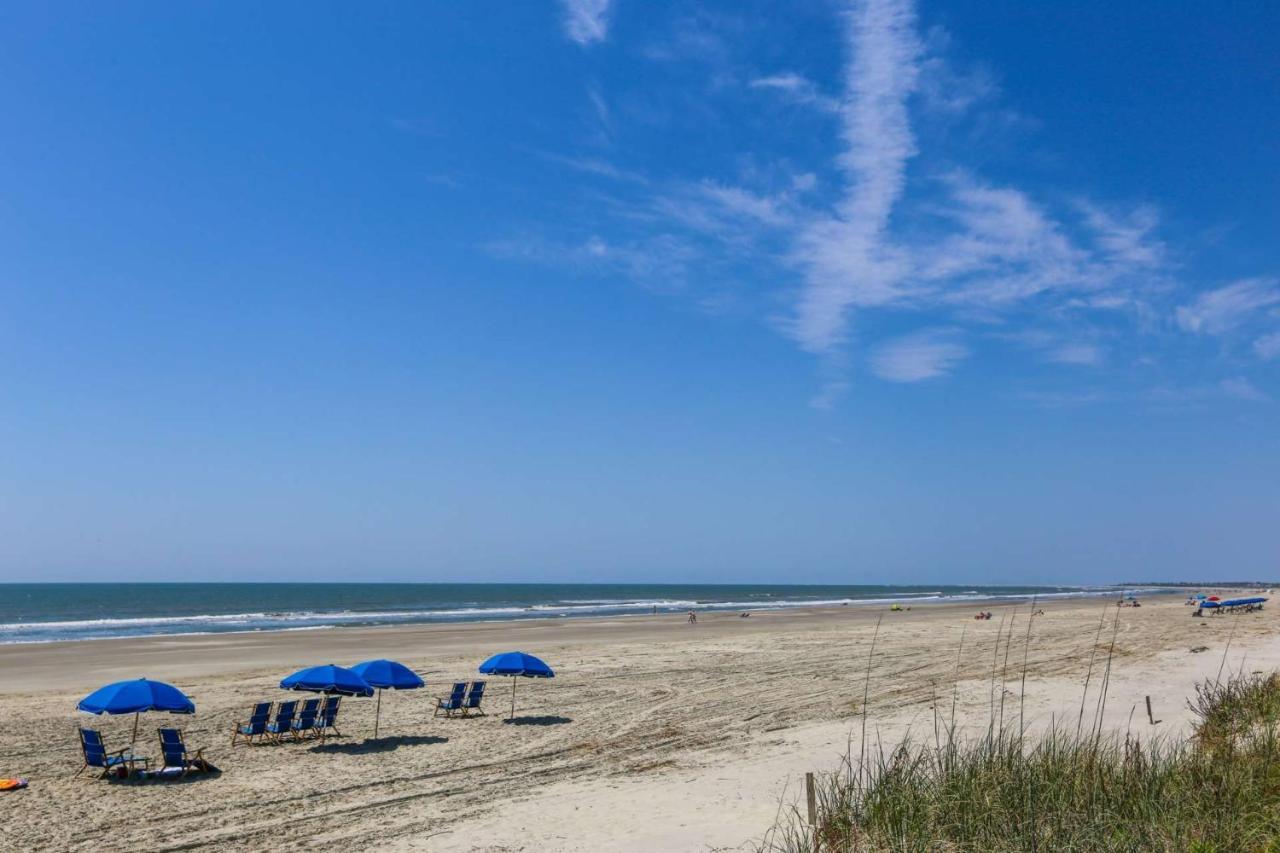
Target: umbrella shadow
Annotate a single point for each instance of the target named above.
(382, 744)
(545, 720)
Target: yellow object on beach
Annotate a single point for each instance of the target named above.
(895, 606)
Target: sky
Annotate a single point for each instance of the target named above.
(607, 290)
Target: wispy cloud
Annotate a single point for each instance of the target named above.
(798, 90)
(586, 21)
(1219, 311)
(660, 262)
(1267, 347)
(1084, 354)
(596, 166)
(921, 355)
(1242, 389)
(945, 244)
(846, 260)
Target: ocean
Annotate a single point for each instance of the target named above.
(33, 613)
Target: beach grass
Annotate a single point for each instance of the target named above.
(1069, 789)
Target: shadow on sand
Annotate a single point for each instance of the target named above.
(382, 744)
(549, 720)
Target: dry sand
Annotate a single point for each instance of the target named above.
(655, 734)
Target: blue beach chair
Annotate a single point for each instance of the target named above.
(257, 725)
(453, 703)
(328, 721)
(474, 696)
(305, 723)
(178, 760)
(121, 762)
(283, 723)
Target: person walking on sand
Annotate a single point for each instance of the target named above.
(693, 617)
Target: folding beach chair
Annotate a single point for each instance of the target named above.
(474, 697)
(453, 703)
(121, 762)
(178, 760)
(305, 723)
(328, 720)
(283, 723)
(257, 725)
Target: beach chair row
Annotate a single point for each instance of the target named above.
(464, 700)
(177, 759)
(273, 722)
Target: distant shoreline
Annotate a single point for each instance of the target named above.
(310, 608)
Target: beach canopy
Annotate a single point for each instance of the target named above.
(516, 664)
(328, 679)
(386, 675)
(136, 697)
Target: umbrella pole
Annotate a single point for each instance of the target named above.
(513, 699)
(377, 714)
(135, 731)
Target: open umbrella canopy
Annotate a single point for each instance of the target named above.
(328, 679)
(136, 696)
(516, 663)
(388, 674)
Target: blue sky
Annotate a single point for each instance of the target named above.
(607, 290)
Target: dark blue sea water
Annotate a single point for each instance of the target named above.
(46, 612)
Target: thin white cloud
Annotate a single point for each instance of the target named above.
(1267, 347)
(945, 89)
(798, 90)
(597, 166)
(586, 21)
(847, 262)
(1129, 238)
(917, 356)
(1242, 389)
(1078, 353)
(1216, 312)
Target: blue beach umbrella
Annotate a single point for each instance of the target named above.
(516, 664)
(135, 697)
(386, 675)
(328, 679)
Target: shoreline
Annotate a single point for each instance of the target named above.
(707, 608)
(47, 664)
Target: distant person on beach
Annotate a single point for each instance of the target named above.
(693, 617)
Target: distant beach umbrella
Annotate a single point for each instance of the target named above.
(386, 675)
(328, 679)
(516, 665)
(136, 697)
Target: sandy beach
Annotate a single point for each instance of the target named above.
(655, 734)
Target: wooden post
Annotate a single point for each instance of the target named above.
(1150, 717)
(811, 795)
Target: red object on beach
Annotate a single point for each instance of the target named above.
(1213, 598)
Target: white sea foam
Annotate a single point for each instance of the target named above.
(220, 623)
